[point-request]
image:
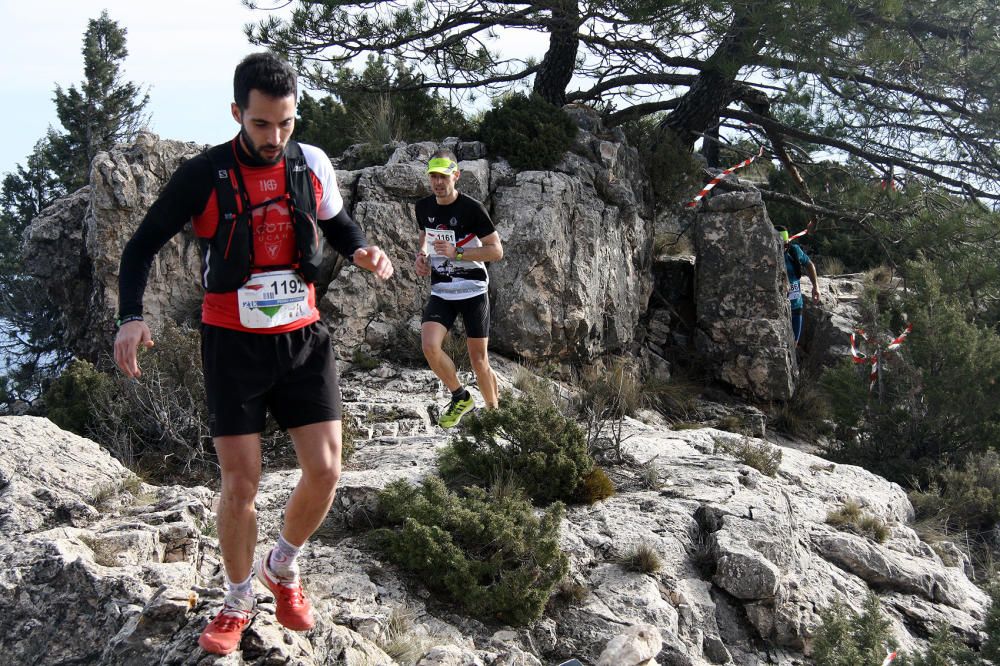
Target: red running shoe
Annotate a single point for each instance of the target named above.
(293, 609)
(224, 633)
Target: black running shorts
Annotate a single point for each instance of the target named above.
(293, 374)
(475, 313)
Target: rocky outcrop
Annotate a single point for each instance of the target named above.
(573, 284)
(827, 329)
(101, 568)
(744, 322)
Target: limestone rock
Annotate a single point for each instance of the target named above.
(636, 646)
(743, 316)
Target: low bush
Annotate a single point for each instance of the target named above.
(758, 454)
(545, 452)
(69, 399)
(528, 131)
(643, 559)
(594, 487)
(157, 425)
(806, 414)
(991, 627)
(963, 498)
(851, 518)
(492, 556)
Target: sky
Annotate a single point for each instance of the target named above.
(183, 50)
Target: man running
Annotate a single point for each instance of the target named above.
(256, 204)
(457, 238)
(795, 259)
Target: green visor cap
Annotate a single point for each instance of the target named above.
(442, 165)
(784, 235)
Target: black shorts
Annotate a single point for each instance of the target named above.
(292, 374)
(475, 313)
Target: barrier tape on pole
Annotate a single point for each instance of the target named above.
(715, 181)
(857, 356)
(889, 658)
(894, 345)
(877, 354)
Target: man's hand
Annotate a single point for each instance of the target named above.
(420, 264)
(373, 259)
(815, 294)
(130, 336)
(445, 249)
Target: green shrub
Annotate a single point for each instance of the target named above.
(846, 639)
(758, 454)
(938, 400)
(944, 649)
(70, 398)
(492, 556)
(673, 171)
(963, 498)
(528, 131)
(991, 627)
(543, 450)
(364, 361)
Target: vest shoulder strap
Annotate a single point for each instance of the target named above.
(228, 181)
(298, 178)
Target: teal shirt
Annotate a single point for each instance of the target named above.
(794, 286)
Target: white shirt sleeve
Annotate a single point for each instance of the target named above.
(330, 203)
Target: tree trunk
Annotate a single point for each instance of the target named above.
(560, 60)
(710, 145)
(715, 87)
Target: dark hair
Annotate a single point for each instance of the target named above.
(778, 227)
(445, 153)
(265, 72)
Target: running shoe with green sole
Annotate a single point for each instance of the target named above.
(456, 410)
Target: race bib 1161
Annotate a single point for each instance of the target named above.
(431, 235)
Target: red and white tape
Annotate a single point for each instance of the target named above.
(894, 345)
(715, 181)
(873, 358)
(889, 658)
(800, 234)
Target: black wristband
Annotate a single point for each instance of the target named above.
(125, 320)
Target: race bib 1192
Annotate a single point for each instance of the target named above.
(273, 299)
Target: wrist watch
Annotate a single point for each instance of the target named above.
(459, 255)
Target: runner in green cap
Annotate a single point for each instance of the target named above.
(457, 238)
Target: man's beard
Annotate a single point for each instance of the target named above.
(255, 152)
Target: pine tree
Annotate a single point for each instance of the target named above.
(903, 86)
(103, 111)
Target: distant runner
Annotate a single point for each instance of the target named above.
(795, 259)
(457, 238)
(257, 204)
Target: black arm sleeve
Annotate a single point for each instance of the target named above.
(343, 233)
(184, 196)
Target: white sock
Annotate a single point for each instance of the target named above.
(282, 559)
(240, 595)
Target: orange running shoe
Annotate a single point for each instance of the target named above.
(293, 609)
(224, 633)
